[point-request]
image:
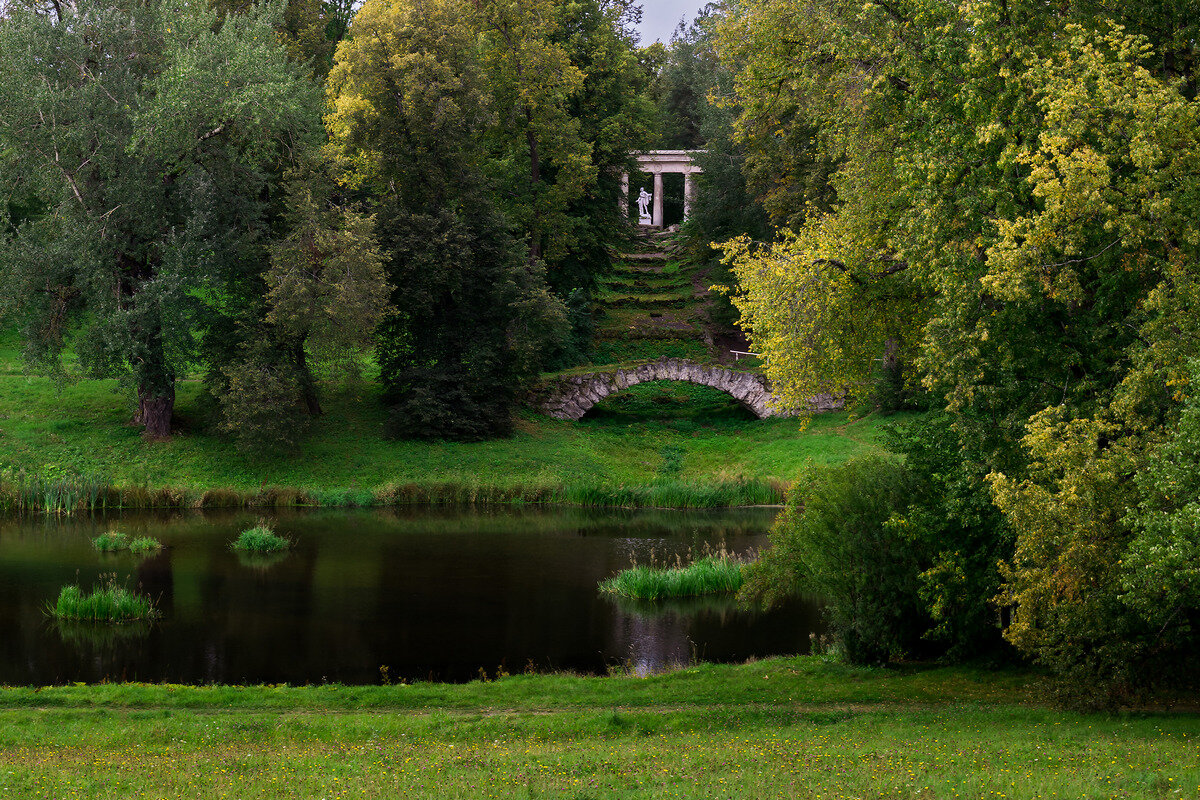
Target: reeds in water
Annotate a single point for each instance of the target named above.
(24, 494)
(107, 602)
(715, 572)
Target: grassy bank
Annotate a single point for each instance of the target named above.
(657, 445)
(793, 727)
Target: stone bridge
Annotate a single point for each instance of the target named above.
(571, 396)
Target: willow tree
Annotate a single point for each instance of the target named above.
(144, 134)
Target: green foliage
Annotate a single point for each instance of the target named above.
(152, 172)
(838, 540)
(260, 539)
(261, 402)
(107, 602)
(950, 521)
(1016, 211)
(720, 573)
(111, 542)
(472, 318)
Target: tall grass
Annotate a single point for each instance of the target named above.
(24, 496)
(714, 573)
(107, 602)
(720, 493)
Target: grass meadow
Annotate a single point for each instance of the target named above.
(654, 435)
(781, 728)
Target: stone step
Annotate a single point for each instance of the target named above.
(656, 256)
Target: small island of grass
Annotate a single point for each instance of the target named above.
(116, 541)
(144, 545)
(111, 542)
(260, 539)
(108, 602)
(716, 573)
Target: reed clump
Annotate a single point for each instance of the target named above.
(23, 494)
(714, 572)
(260, 539)
(107, 602)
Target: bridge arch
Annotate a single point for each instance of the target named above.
(571, 397)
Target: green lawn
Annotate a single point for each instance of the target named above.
(653, 432)
(782, 728)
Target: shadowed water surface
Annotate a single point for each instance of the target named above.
(425, 593)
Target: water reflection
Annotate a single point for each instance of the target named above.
(429, 594)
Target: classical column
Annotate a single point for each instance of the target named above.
(623, 199)
(689, 193)
(658, 200)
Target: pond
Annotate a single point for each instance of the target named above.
(412, 594)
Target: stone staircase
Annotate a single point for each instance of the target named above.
(651, 307)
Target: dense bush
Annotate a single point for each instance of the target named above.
(837, 540)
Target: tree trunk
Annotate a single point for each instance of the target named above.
(308, 386)
(535, 178)
(155, 409)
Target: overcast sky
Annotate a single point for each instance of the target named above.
(659, 18)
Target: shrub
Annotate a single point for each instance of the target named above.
(108, 602)
(111, 542)
(837, 540)
(260, 539)
(260, 404)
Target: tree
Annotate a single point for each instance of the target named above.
(326, 288)
(472, 317)
(1021, 184)
(146, 176)
(693, 88)
(544, 162)
(614, 116)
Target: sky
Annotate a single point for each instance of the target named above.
(659, 18)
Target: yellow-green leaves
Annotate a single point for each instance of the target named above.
(820, 306)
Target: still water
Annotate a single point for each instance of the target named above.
(425, 594)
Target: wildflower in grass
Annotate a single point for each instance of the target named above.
(260, 539)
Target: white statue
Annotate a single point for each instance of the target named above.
(644, 198)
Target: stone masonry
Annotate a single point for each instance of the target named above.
(570, 397)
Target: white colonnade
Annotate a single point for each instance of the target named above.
(658, 162)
